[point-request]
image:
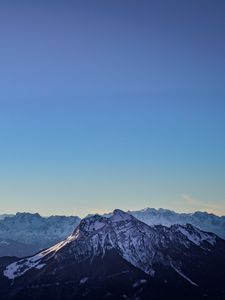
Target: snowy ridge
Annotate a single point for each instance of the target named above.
(197, 236)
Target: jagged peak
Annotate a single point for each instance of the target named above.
(119, 215)
(93, 223)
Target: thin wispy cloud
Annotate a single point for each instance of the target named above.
(198, 204)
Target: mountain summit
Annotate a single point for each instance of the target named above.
(120, 257)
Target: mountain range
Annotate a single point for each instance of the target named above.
(120, 257)
(24, 233)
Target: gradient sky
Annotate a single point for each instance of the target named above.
(107, 104)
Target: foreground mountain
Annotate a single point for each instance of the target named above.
(120, 257)
(24, 233)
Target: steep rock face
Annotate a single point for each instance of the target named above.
(175, 258)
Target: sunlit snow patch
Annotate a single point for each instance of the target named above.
(20, 267)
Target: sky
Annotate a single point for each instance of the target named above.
(112, 104)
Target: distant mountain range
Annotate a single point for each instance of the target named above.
(120, 257)
(202, 220)
(2, 217)
(25, 233)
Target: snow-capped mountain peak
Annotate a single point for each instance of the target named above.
(92, 224)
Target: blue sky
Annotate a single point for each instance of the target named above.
(108, 104)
